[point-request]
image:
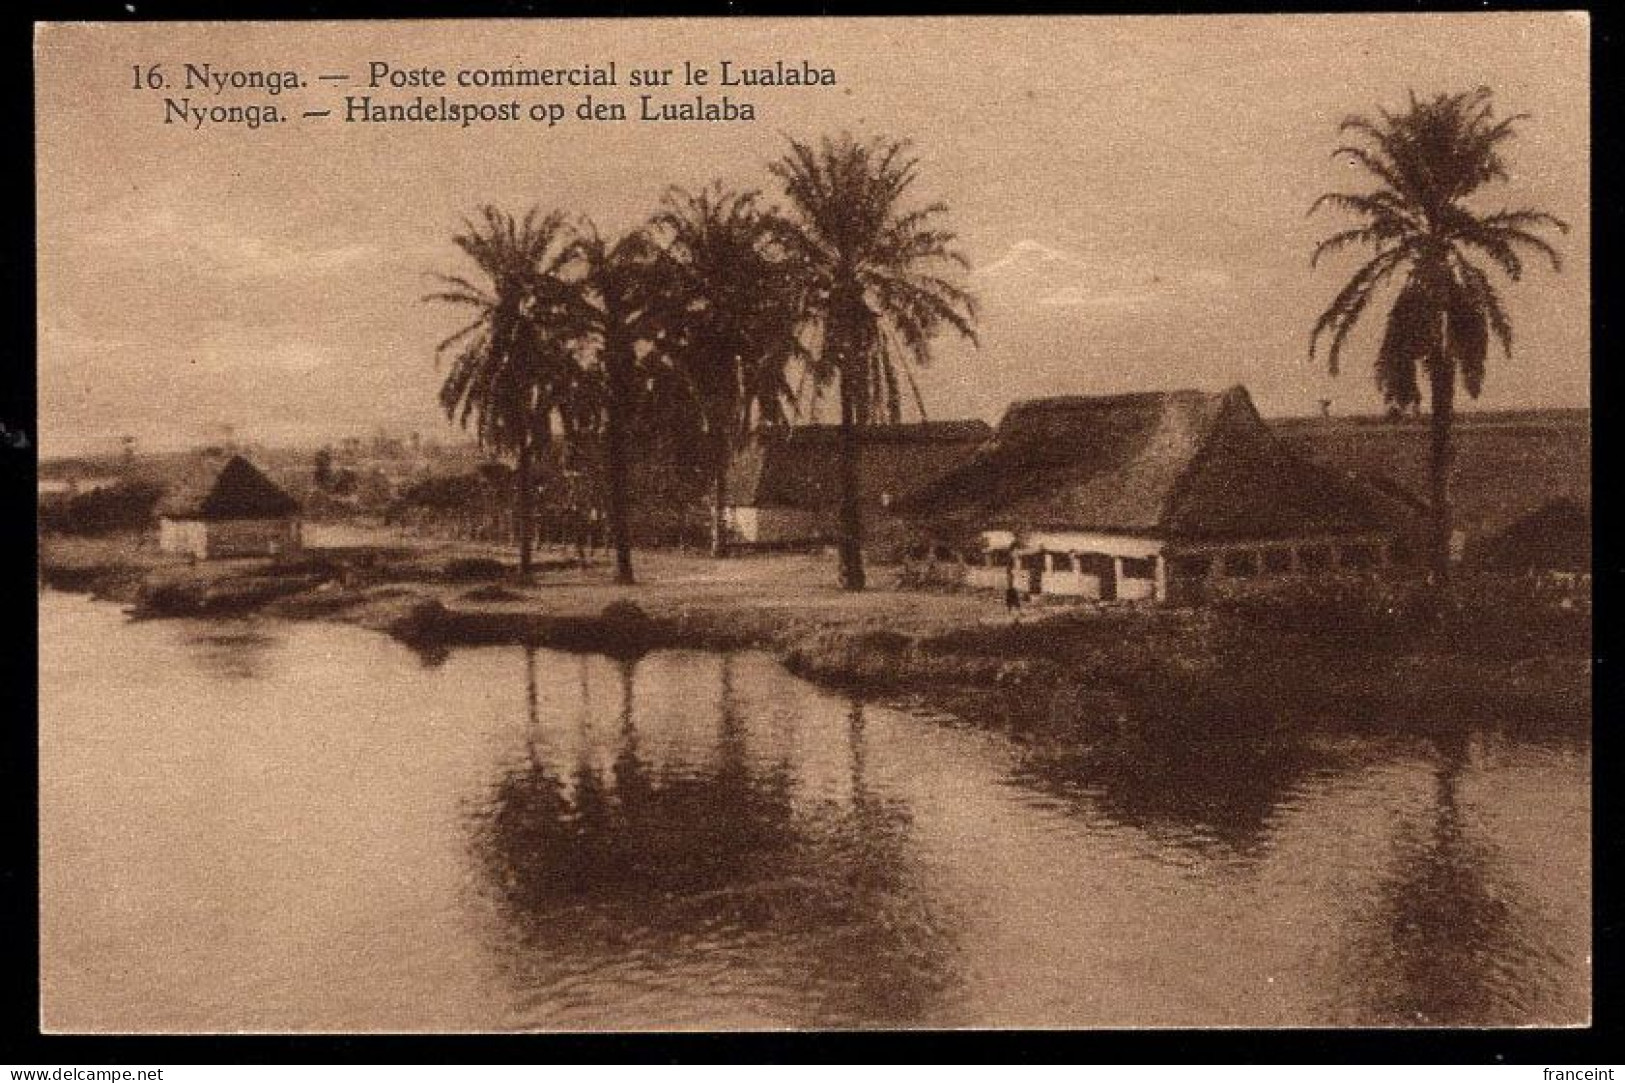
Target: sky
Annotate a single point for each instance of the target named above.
(1130, 193)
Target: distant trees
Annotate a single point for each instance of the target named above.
(689, 325)
(1428, 242)
(469, 505)
(877, 290)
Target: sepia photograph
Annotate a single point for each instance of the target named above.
(809, 524)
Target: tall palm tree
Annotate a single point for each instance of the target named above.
(617, 319)
(735, 303)
(1427, 240)
(877, 290)
(510, 364)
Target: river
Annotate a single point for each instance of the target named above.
(265, 826)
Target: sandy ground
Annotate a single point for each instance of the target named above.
(798, 584)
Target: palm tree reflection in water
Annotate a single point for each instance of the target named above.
(722, 873)
(1443, 945)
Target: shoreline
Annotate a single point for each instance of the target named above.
(1059, 672)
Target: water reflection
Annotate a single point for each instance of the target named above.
(805, 896)
(238, 650)
(309, 830)
(1443, 944)
(1212, 798)
(430, 654)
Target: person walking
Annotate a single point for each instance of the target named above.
(1012, 596)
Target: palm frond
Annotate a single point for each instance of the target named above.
(1488, 300)
(1351, 301)
(1429, 157)
(1339, 241)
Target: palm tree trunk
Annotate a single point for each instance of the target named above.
(850, 529)
(719, 496)
(1440, 457)
(615, 438)
(522, 524)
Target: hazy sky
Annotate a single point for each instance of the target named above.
(1130, 191)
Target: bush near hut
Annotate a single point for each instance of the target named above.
(473, 569)
(1338, 609)
(1486, 615)
(1513, 617)
(1556, 537)
(125, 505)
(491, 592)
(320, 565)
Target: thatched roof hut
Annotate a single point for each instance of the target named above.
(1152, 495)
(1554, 537)
(228, 509)
(784, 485)
(1508, 465)
(230, 489)
(1173, 464)
(799, 467)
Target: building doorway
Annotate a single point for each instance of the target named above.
(1104, 571)
(1032, 567)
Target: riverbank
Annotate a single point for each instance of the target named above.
(1063, 670)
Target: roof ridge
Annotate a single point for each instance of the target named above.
(1113, 398)
(227, 487)
(1216, 403)
(960, 428)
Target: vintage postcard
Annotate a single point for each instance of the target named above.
(803, 524)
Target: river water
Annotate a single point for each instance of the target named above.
(264, 826)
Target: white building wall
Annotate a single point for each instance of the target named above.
(1136, 590)
(216, 539)
(1080, 541)
(986, 577)
(1075, 583)
(1070, 584)
(740, 522)
(185, 537)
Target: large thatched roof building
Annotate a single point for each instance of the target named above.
(1150, 495)
(783, 485)
(227, 507)
(1515, 474)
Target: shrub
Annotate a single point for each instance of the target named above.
(469, 569)
(125, 505)
(1512, 616)
(419, 622)
(623, 612)
(1343, 608)
(1484, 615)
(491, 593)
(313, 564)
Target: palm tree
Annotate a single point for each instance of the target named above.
(1427, 161)
(876, 292)
(735, 300)
(616, 318)
(510, 364)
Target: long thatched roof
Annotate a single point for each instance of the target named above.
(233, 489)
(799, 467)
(1177, 464)
(1507, 465)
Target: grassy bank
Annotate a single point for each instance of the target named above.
(112, 567)
(1355, 659)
